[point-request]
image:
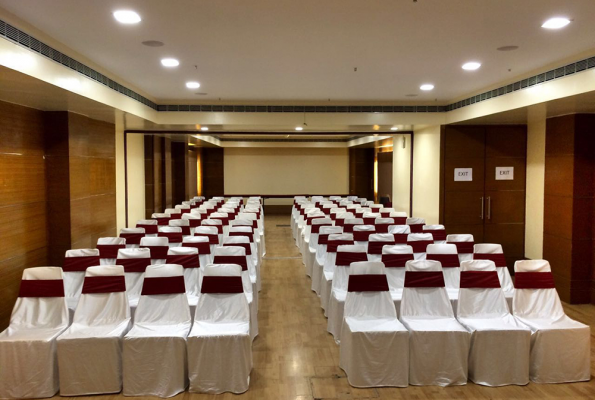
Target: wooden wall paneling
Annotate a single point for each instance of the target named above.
(361, 172)
(179, 155)
(213, 172)
(149, 176)
(158, 181)
(191, 173)
(167, 169)
(385, 174)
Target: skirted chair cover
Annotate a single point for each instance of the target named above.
(190, 260)
(312, 242)
(464, 243)
(376, 242)
(500, 344)
(419, 242)
(346, 255)
(161, 218)
(382, 224)
(158, 247)
(219, 344)
(248, 232)
(253, 267)
(438, 343)
(28, 360)
(174, 212)
(258, 226)
(182, 223)
(400, 217)
(305, 229)
(108, 249)
(361, 234)
(149, 225)
(416, 224)
(438, 233)
(319, 260)
(494, 252)
(193, 220)
(400, 233)
(210, 232)
(154, 352)
(374, 344)
(447, 255)
(341, 217)
(76, 263)
(90, 351)
(132, 236)
(386, 211)
(335, 211)
(173, 233)
(394, 258)
(351, 223)
(202, 244)
(135, 262)
(216, 223)
(560, 346)
(334, 241)
(370, 217)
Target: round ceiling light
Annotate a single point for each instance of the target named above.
(299, 128)
(426, 87)
(204, 128)
(127, 17)
(192, 85)
(169, 62)
(555, 23)
(394, 128)
(471, 66)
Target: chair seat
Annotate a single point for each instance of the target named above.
(77, 331)
(547, 324)
(374, 325)
(203, 328)
(433, 324)
(339, 294)
(158, 330)
(32, 334)
(505, 323)
(328, 275)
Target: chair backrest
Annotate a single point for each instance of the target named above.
(416, 224)
(447, 256)
(400, 233)
(376, 241)
(349, 223)
(370, 217)
(78, 260)
(41, 302)
(397, 256)
(386, 211)
(346, 255)
(437, 231)
(361, 233)
(480, 295)
(241, 241)
(108, 246)
(424, 294)
(161, 218)
(157, 245)
(103, 299)
(217, 223)
(186, 257)
(535, 296)
(420, 241)
(173, 233)
(490, 251)
(172, 211)
(368, 293)
(244, 231)
(464, 242)
(132, 235)
(382, 224)
(183, 224)
(231, 255)
(134, 260)
(149, 225)
(163, 298)
(200, 243)
(400, 217)
(192, 218)
(210, 232)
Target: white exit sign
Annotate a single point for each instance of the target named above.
(504, 173)
(463, 174)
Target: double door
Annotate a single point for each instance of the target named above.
(483, 184)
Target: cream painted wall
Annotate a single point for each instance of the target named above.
(535, 182)
(401, 172)
(136, 178)
(286, 171)
(426, 173)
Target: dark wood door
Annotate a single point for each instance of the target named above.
(385, 174)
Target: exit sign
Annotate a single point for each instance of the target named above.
(504, 173)
(463, 174)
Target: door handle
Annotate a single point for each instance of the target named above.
(489, 207)
(481, 216)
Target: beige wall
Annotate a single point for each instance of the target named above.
(286, 171)
(426, 173)
(535, 182)
(401, 172)
(136, 178)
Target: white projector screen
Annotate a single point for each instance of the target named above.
(288, 170)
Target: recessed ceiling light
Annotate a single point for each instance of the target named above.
(426, 86)
(471, 66)
(126, 17)
(153, 43)
(376, 127)
(299, 128)
(204, 128)
(192, 85)
(555, 23)
(394, 128)
(169, 62)
(507, 48)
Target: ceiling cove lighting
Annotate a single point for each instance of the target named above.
(426, 87)
(127, 17)
(555, 23)
(204, 128)
(169, 62)
(394, 128)
(299, 128)
(192, 85)
(471, 66)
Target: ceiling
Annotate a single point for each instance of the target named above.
(307, 50)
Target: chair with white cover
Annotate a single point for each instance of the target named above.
(346, 255)
(28, 360)
(358, 210)
(304, 241)
(416, 224)
(335, 211)
(438, 233)
(154, 350)
(386, 211)
(253, 268)
(374, 348)
(400, 217)
(370, 217)
(173, 234)
(394, 259)
(90, 351)
(342, 217)
(334, 241)
(382, 224)
(108, 249)
(173, 213)
(248, 232)
(216, 223)
(182, 223)
(361, 234)
(419, 242)
(494, 252)
(319, 260)
(220, 344)
(376, 208)
(189, 259)
(76, 263)
(184, 208)
(135, 262)
(500, 344)
(202, 244)
(438, 343)
(149, 225)
(224, 218)
(302, 228)
(447, 255)
(237, 255)
(161, 218)
(464, 243)
(351, 223)
(299, 225)
(400, 233)
(376, 242)
(253, 218)
(560, 346)
(193, 220)
(312, 242)
(209, 232)
(158, 246)
(132, 236)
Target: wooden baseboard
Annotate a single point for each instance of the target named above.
(277, 209)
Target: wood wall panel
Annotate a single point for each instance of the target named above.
(192, 173)
(179, 155)
(212, 172)
(167, 171)
(361, 172)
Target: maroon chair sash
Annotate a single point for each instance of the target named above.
(174, 237)
(157, 252)
(163, 221)
(134, 264)
(367, 283)
(399, 220)
(376, 247)
(333, 216)
(437, 234)
(42, 288)
(369, 220)
(213, 238)
(396, 260)
(345, 258)
(186, 230)
(463, 247)
(246, 246)
(348, 228)
(362, 236)
(249, 235)
(163, 285)
(323, 238)
(331, 245)
(382, 228)
(419, 246)
(316, 228)
(132, 238)
(479, 280)
(185, 260)
(239, 260)
(104, 284)
(224, 220)
(424, 279)
(149, 229)
(416, 228)
(221, 284)
(203, 247)
(340, 222)
(193, 222)
(79, 264)
(497, 258)
(109, 250)
(400, 238)
(447, 260)
(534, 280)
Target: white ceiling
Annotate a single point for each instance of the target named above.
(306, 50)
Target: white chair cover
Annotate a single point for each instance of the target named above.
(149, 222)
(560, 346)
(329, 270)
(214, 223)
(154, 351)
(112, 243)
(245, 226)
(369, 229)
(219, 344)
(90, 351)
(191, 275)
(172, 229)
(312, 248)
(500, 344)
(208, 230)
(503, 273)
(451, 274)
(437, 231)
(125, 231)
(253, 267)
(192, 217)
(28, 361)
(375, 238)
(172, 212)
(419, 237)
(464, 243)
(73, 280)
(134, 280)
(155, 245)
(182, 223)
(205, 258)
(318, 266)
(438, 343)
(396, 275)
